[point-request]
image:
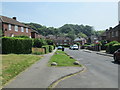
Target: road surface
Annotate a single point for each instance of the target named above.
(101, 71)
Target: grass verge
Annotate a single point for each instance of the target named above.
(62, 59)
(13, 64)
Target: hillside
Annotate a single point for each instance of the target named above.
(69, 30)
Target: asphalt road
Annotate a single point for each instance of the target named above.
(101, 71)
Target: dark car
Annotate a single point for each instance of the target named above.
(59, 47)
(117, 56)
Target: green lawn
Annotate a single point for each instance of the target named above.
(13, 64)
(62, 59)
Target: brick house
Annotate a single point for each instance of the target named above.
(80, 40)
(112, 34)
(11, 27)
(58, 40)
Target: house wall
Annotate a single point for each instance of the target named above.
(114, 37)
(9, 33)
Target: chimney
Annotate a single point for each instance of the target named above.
(110, 28)
(106, 29)
(14, 18)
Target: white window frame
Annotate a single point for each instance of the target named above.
(22, 29)
(9, 27)
(26, 30)
(16, 28)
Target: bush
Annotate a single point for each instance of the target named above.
(21, 36)
(50, 42)
(46, 47)
(39, 42)
(16, 45)
(51, 47)
(116, 47)
(103, 42)
(110, 47)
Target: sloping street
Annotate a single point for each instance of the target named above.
(101, 71)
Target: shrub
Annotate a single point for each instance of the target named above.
(116, 47)
(16, 45)
(110, 48)
(103, 42)
(50, 42)
(39, 42)
(46, 47)
(51, 47)
(21, 36)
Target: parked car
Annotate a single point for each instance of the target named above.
(117, 56)
(75, 47)
(59, 47)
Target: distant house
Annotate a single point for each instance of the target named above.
(11, 27)
(93, 38)
(59, 40)
(80, 40)
(102, 36)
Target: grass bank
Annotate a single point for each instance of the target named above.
(62, 59)
(13, 64)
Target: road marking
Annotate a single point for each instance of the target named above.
(55, 83)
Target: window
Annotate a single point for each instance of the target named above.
(16, 28)
(112, 34)
(22, 29)
(9, 27)
(26, 30)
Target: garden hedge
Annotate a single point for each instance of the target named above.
(16, 45)
(38, 43)
(48, 48)
(112, 47)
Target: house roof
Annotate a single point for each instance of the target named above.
(12, 21)
(32, 30)
(79, 39)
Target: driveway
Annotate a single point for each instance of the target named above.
(101, 71)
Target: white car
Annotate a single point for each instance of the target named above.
(75, 47)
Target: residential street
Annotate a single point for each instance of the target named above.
(101, 71)
(39, 75)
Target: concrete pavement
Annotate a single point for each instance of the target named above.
(39, 75)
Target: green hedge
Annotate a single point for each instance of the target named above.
(16, 45)
(116, 47)
(48, 48)
(39, 42)
(112, 47)
(51, 48)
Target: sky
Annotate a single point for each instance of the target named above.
(100, 15)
